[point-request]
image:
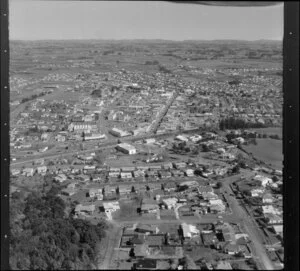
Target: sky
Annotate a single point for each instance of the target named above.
(40, 20)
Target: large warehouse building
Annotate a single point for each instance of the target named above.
(126, 148)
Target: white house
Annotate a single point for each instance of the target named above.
(28, 172)
(189, 231)
(60, 178)
(267, 198)
(126, 175)
(170, 203)
(263, 179)
(15, 172)
(110, 207)
(257, 192)
(41, 170)
(93, 192)
(181, 138)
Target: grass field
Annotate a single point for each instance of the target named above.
(267, 150)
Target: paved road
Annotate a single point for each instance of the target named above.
(106, 145)
(258, 249)
(115, 234)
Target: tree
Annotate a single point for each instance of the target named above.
(236, 169)
(132, 189)
(219, 185)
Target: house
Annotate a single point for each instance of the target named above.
(170, 186)
(93, 192)
(127, 169)
(223, 265)
(126, 175)
(170, 203)
(151, 174)
(89, 168)
(155, 167)
(41, 170)
(165, 174)
(149, 208)
(126, 148)
(138, 173)
(149, 140)
(238, 140)
(209, 196)
(209, 239)
(179, 165)
(273, 241)
(189, 184)
(220, 150)
(189, 231)
(114, 174)
(217, 206)
(155, 240)
(220, 171)
(84, 209)
(263, 179)
(145, 264)
(167, 166)
(189, 172)
(124, 189)
(141, 250)
(68, 191)
(110, 207)
(273, 218)
(150, 229)
(267, 198)
(177, 173)
(114, 169)
(60, 178)
(278, 229)
(195, 138)
(269, 209)
(257, 192)
(205, 189)
(181, 138)
(15, 172)
(231, 249)
(28, 172)
(60, 138)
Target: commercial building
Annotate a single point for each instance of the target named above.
(94, 137)
(126, 148)
(118, 133)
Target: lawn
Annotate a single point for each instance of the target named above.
(167, 214)
(128, 209)
(267, 150)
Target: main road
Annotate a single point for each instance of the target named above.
(258, 249)
(106, 145)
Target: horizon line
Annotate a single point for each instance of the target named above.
(141, 39)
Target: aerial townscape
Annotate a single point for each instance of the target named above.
(146, 155)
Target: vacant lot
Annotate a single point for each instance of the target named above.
(128, 210)
(267, 150)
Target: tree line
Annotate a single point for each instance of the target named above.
(44, 236)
